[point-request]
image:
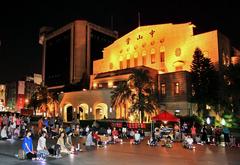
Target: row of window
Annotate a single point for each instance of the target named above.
(144, 61)
(176, 88)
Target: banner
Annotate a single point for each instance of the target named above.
(20, 102)
(21, 87)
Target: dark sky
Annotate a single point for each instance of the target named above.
(20, 53)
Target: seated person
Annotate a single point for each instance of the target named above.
(152, 141)
(115, 135)
(168, 142)
(27, 146)
(97, 139)
(188, 142)
(137, 138)
(41, 146)
(69, 143)
(60, 142)
(4, 135)
(17, 132)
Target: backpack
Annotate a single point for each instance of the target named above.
(21, 154)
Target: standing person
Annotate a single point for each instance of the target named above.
(40, 125)
(41, 146)
(218, 133)
(193, 132)
(226, 133)
(27, 146)
(204, 134)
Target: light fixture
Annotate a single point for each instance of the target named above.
(208, 120)
(223, 122)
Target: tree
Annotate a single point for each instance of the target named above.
(141, 85)
(139, 91)
(204, 82)
(120, 96)
(39, 98)
(44, 100)
(232, 81)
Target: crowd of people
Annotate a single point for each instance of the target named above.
(70, 138)
(14, 126)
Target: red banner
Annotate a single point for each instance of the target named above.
(20, 102)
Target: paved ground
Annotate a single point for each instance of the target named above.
(124, 154)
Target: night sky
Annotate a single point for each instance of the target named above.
(20, 21)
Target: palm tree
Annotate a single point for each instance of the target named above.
(39, 98)
(142, 87)
(121, 95)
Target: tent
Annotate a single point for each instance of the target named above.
(165, 117)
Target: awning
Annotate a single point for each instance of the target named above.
(165, 116)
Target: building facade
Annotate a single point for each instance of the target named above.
(69, 52)
(165, 49)
(19, 93)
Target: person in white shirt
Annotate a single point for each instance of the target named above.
(137, 137)
(42, 150)
(109, 131)
(4, 132)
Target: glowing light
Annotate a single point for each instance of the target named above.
(110, 84)
(94, 85)
(223, 122)
(90, 109)
(110, 109)
(131, 118)
(165, 122)
(208, 120)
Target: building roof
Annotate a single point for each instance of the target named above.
(121, 72)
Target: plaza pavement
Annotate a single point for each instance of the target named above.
(127, 154)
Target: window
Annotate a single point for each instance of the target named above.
(121, 65)
(162, 57)
(144, 60)
(128, 63)
(135, 61)
(176, 88)
(153, 59)
(163, 89)
(144, 53)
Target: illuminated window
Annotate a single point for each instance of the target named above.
(128, 63)
(135, 61)
(121, 65)
(144, 53)
(162, 57)
(153, 59)
(176, 88)
(163, 89)
(144, 60)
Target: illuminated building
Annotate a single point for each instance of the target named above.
(166, 50)
(18, 93)
(69, 51)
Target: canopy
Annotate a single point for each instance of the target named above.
(165, 116)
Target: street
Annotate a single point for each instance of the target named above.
(121, 154)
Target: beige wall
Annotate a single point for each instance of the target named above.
(92, 98)
(167, 38)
